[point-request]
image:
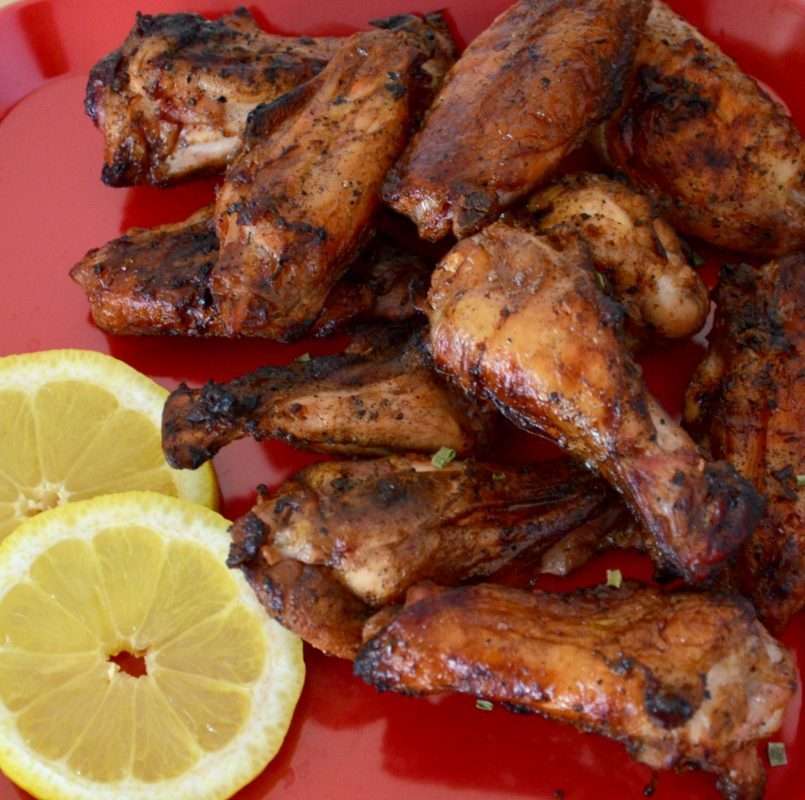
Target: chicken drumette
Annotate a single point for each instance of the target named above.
(518, 320)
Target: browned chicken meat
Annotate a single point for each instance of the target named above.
(370, 529)
(156, 281)
(301, 196)
(748, 397)
(525, 93)
(704, 138)
(173, 100)
(379, 396)
(525, 324)
(633, 246)
(685, 680)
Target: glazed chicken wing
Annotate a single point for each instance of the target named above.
(380, 395)
(525, 93)
(684, 680)
(376, 527)
(517, 320)
(705, 139)
(300, 198)
(633, 246)
(156, 281)
(173, 100)
(748, 397)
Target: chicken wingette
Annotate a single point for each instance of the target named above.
(523, 95)
(685, 680)
(341, 539)
(723, 158)
(748, 400)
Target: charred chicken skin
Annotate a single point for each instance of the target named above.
(632, 246)
(525, 93)
(156, 281)
(300, 198)
(725, 159)
(685, 680)
(173, 100)
(379, 396)
(525, 324)
(748, 399)
(376, 527)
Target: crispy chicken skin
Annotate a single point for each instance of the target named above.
(518, 321)
(300, 198)
(311, 601)
(685, 680)
(156, 281)
(705, 139)
(748, 398)
(525, 93)
(382, 525)
(379, 396)
(173, 100)
(633, 246)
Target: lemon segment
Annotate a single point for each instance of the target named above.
(142, 573)
(75, 424)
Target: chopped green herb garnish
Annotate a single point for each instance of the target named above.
(602, 281)
(777, 754)
(696, 259)
(800, 480)
(498, 476)
(442, 457)
(485, 705)
(304, 357)
(614, 578)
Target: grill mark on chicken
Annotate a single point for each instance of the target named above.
(746, 398)
(524, 94)
(173, 100)
(157, 282)
(724, 158)
(524, 324)
(381, 395)
(684, 680)
(300, 198)
(376, 527)
(633, 246)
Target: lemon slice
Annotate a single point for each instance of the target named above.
(75, 424)
(142, 574)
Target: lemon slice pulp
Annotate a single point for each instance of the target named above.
(75, 424)
(141, 574)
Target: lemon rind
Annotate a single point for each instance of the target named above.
(29, 372)
(219, 774)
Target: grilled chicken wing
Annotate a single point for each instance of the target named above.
(173, 100)
(749, 397)
(633, 246)
(685, 680)
(381, 395)
(299, 199)
(312, 602)
(376, 527)
(701, 136)
(523, 323)
(526, 92)
(156, 281)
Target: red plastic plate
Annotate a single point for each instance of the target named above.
(347, 742)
